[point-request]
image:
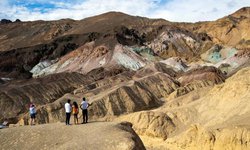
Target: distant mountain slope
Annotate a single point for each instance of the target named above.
(24, 44)
(232, 30)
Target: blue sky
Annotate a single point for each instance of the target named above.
(173, 10)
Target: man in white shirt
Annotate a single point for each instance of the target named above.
(84, 107)
(68, 112)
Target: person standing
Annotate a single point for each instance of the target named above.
(84, 107)
(32, 111)
(75, 112)
(68, 112)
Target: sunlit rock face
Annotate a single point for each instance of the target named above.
(215, 117)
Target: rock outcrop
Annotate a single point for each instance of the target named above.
(5, 21)
(89, 57)
(214, 118)
(206, 73)
(97, 135)
(197, 137)
(151, 123)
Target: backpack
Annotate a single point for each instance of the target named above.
(75, 110)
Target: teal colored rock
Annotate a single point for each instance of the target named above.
(215, 57)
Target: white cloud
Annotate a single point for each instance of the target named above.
(199, 10)
(173, 10)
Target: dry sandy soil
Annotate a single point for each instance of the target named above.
(95, 135)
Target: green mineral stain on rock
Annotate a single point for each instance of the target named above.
(215, 57)
(143, 50)
(231, 52)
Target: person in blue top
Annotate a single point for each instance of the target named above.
(32, 114)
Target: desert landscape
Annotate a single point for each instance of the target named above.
(152, 84)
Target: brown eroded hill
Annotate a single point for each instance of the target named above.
(129, 92)
(17, 95)
(216, 118)
(112, 92)
(25, 44)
